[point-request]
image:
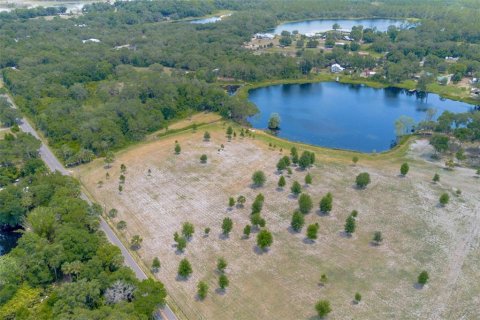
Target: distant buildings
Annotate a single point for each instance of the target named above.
(270, 36)
(91, 40)
(336, 68)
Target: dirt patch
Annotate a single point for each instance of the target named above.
(284, 282)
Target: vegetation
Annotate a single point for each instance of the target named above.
(296, 188)
(202, 290)
(221, 265)
(350, 225)
(184, 268)
(246, 230)
(362, 180)
(326, 203)
(358, 297)
(404, 169)
(308, 179)
(156, 265)
(203, 158)
(423, 278)
(223, 282)
(188, 230)
(444, 199)
(259, 178)
(436, 178)
(297, 221)
(281, 182)
(264, 239)
(305, 203)
(274, 121)
(377, 237)
(323, 308)
(227, 226)
(312, 231)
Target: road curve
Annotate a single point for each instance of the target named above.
(54, 165)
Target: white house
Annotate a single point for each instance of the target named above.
(91, 40)
(336, 68)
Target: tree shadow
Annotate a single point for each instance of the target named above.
(259, 251)
(279, 189)
(292, 231)
(220, 291)
(307, 240)
(418, 286)
(345, 235)
(293, 196)
(179, 252)
(181, 279)
(322, 213)
(374, 244)
(223, 236)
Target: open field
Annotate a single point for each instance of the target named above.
(284, 282)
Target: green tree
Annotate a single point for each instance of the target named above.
(227, 226)
(203, 158)
(229, 131)
(350, 225)
(257, 220)
(306, 159)
(297, 221)
(188, 230)
(202, 290)
(136, 242)
(423, 278)
(241, 201)
(404, 169)
(281, 182)
(355, 160)
(112, 213)
(305, 203)
(377, 237)
(259, 178)
(281, 165)
(109, 159)
(223, 282)
(326, 203)
(436, 177)
(308, 179)
(231, 202)
(123, 168)
(323, 308)
(294, 155)
(257, 204)
(184, 268)
(181, 243)
(221, 265)
(312, 231)
(206, 231)
(362, 180)
(206, 136)
(121, 225)
(264, 239)
(274, 121)
(150, 294)
(439, 143)
(358, 297)
(296, 188)
(444, 199)
(247, 230)
(155, 265)
(178, 149)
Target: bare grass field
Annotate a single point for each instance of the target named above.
(283, 283)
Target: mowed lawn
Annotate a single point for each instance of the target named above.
(283, 283)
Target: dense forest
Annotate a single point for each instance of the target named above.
(63, 267)
(102, 80)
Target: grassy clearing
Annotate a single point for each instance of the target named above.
(284, 282)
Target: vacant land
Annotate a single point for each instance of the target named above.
(284, 282)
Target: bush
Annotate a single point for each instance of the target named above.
(362, 180)
(257, 204)
(326, 203)
(112, 213)
(247, 230)
(184, 268)
(264, 239)
(281, 182)
(377, 237)
(206, 136)
(227, 226)
(308, 179)
(354, 213)
(223, 282)
(404, 169)
(231, 202)
(121, 225)
(296, 188)
(257, 220)
(444, 198)
(358, 297)
(297, 221)
(188, 230)
(350, 225)
(221, 264)
(436, 178)
(241, 201)
(355, 159)
(312, 231)
(258, 178)
(178, 149)
(181, 243)
(203, 158)
(202, 290)
(323, 308)
(305, 203)
(423, 277)
(155, 264)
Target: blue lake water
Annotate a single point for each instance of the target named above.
(322, 25)
(344, 116)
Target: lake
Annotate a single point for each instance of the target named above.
(344, 116)
(8, 241)
(322, 25)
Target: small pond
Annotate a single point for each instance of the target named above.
(344, 116)
(322, 25)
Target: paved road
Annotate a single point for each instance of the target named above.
(54, 165)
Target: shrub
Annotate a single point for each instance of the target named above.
(207, 231)
(178, 149)
(308, 179)
(436, 177)
(358, 297)
(257, 220)
(155, 264)
(202, 290)
(312, 231)
(231, 202)
(227, 226)
(355, 160)
(221, 264)
(181, 243)
(354, 213)
(121, 225)
(184, 268)
(247, 230)
(297, 221)
(281, 182)
(423, 277)
(323, 308)
(112, 213)
(296, 188)
(404, 169)
(258, 178)
(305, 203)
(206, 136)
(326, 203)
(188, 230)
(362, 180)
(377, 237)
(241, 201)
(203, 158)
(350, 225)
(223, 282)
(444, 198)
(264, 239)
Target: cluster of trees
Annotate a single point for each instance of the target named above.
(63, 265)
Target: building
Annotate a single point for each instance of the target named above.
(91, 40)
(336, 68)
(264, 36)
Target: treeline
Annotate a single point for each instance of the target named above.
(63, 266)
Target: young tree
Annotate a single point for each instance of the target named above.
(120, 188)
(436, 178)
(178, 149)
(355, 160)
(227, 226)
(221, 265)
(257, 204)
(223, 282)
(247, 230)
(326, 203)
(229, 131)
(354, 213)
(184, 268)
(323, 308)
(181, 243)
(258, 178)
(231, 202)
(155, 265)
(203, 158)
(109, 159)
(281, 182)
(281, 165)
(444, 198)
(358, 297)
(308, 179)
(202, 290)
(404, 169)
(264, 239)
(206, 136)
(297, 221)
(305, 160)
(257, 220)
(423, 278)
(296, 188)
(305, 203)
(312, 231)
(294, 155)
(121, 225)
(362, 180)
(188, 230)
(112, 213)
(377, 237)
(136, 242)
(123, 168)
(206, 231)
(241, 201)
(450, 164)
(274, 121)
(323, 279)
(122, 178)
(350, 225)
